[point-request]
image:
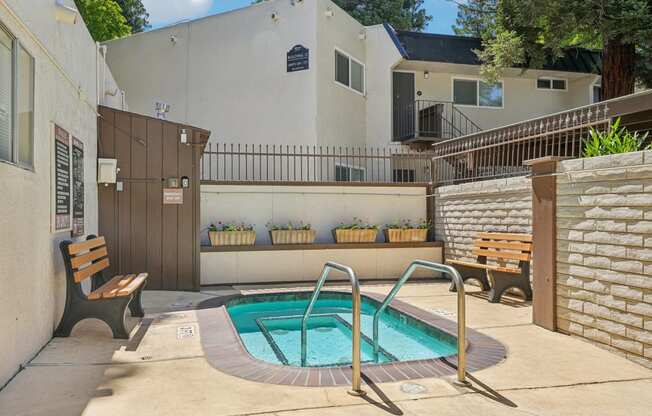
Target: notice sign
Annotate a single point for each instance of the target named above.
(77, 187)
(298, 59)
(61, 179)
(172, 196)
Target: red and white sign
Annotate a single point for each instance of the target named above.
(172, 196)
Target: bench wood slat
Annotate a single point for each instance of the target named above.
(111, 289)
(86, 245)
(502, 254)
(133, 285)
(515, 245)
(89, 257)
(505, 236)
(97, 293)
(91, 270)
(485, 266)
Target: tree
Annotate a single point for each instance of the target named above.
(401, 14)
(135, 14)
(534, 31)
(474, 17)
(103, 19)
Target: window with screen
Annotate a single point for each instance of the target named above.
(552, 84)
(349, 72)
(477, 93)
(16, 102)
(345, 173)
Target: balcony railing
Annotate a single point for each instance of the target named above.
(226, 162)
(427, 120)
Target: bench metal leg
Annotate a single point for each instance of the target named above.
(471, 273)
(136, 305)
(503, 281)
(111, 311)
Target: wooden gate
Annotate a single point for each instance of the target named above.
(143, 233)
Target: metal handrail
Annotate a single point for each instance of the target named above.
(461, 310)
(355, 294)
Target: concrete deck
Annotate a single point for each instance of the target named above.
(160, 373)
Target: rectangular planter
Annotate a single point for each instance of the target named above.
(232, 238)
(355, 236)
(293, 236)
(410, 235)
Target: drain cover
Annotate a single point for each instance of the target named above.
(279, 331)
(413, 388)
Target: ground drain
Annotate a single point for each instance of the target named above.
(279, 331)
(324, 329)
(413, 388)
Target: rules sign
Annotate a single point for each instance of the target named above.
(298, 59)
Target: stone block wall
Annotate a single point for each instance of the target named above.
(604, 257)
(461, 211)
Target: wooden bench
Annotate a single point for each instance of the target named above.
(505, 249)
(109, 297)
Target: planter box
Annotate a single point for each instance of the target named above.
(410, 235)
(293, 236)
(232, 238)
(355, 236)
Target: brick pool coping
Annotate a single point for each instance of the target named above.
(225, 351)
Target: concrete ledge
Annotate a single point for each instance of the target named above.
(328, 246)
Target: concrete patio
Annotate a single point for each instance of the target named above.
(162, 371)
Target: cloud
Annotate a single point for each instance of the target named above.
(162, 12)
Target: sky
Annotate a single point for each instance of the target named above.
(166, 12)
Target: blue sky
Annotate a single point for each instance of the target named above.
(165, 12)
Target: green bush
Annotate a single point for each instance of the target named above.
(616, 140)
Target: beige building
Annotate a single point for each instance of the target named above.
(51, 73)
(239, 75)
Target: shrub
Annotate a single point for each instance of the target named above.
(289, 226)
(616, 140)
(231, 227)
(357, 224)
(408, 225)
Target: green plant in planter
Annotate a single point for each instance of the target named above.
(408, 225)
(616, 140)
(289, 226)
(356, 224)
(231, 227)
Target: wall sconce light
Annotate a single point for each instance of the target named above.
(65, 14)
(329, 12)
(362, 36)
(275, 16)
(426, 74)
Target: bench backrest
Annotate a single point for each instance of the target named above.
(503, 246)
(88, 258)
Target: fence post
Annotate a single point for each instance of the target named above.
(544, 241)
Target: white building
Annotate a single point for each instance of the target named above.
(51, 73)
(234, 73)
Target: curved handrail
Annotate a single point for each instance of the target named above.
(461, 310)
(355, 294)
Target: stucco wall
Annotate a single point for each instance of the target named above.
(32, 290)
(604, 258)
(461, 211)
(521, 99)
(323, 207)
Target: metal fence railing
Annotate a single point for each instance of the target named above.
(501, 152)
(224, 162)
(428, 120)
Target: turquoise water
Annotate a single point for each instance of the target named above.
(270, 328)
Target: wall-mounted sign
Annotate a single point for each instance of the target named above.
(172, 196)
(77, 187)
(61, 180)
(298, 59)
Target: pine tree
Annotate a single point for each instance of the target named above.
(135, 14)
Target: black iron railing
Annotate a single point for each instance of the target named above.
(427, 120)
(232, 162)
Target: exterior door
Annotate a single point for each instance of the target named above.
(403, 105)
(144, 233)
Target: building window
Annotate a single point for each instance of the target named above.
(345, 173)
(16, 102)
(556, 84)
(349, 72)
(596, 92)
(403, 175)
(477, 93)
